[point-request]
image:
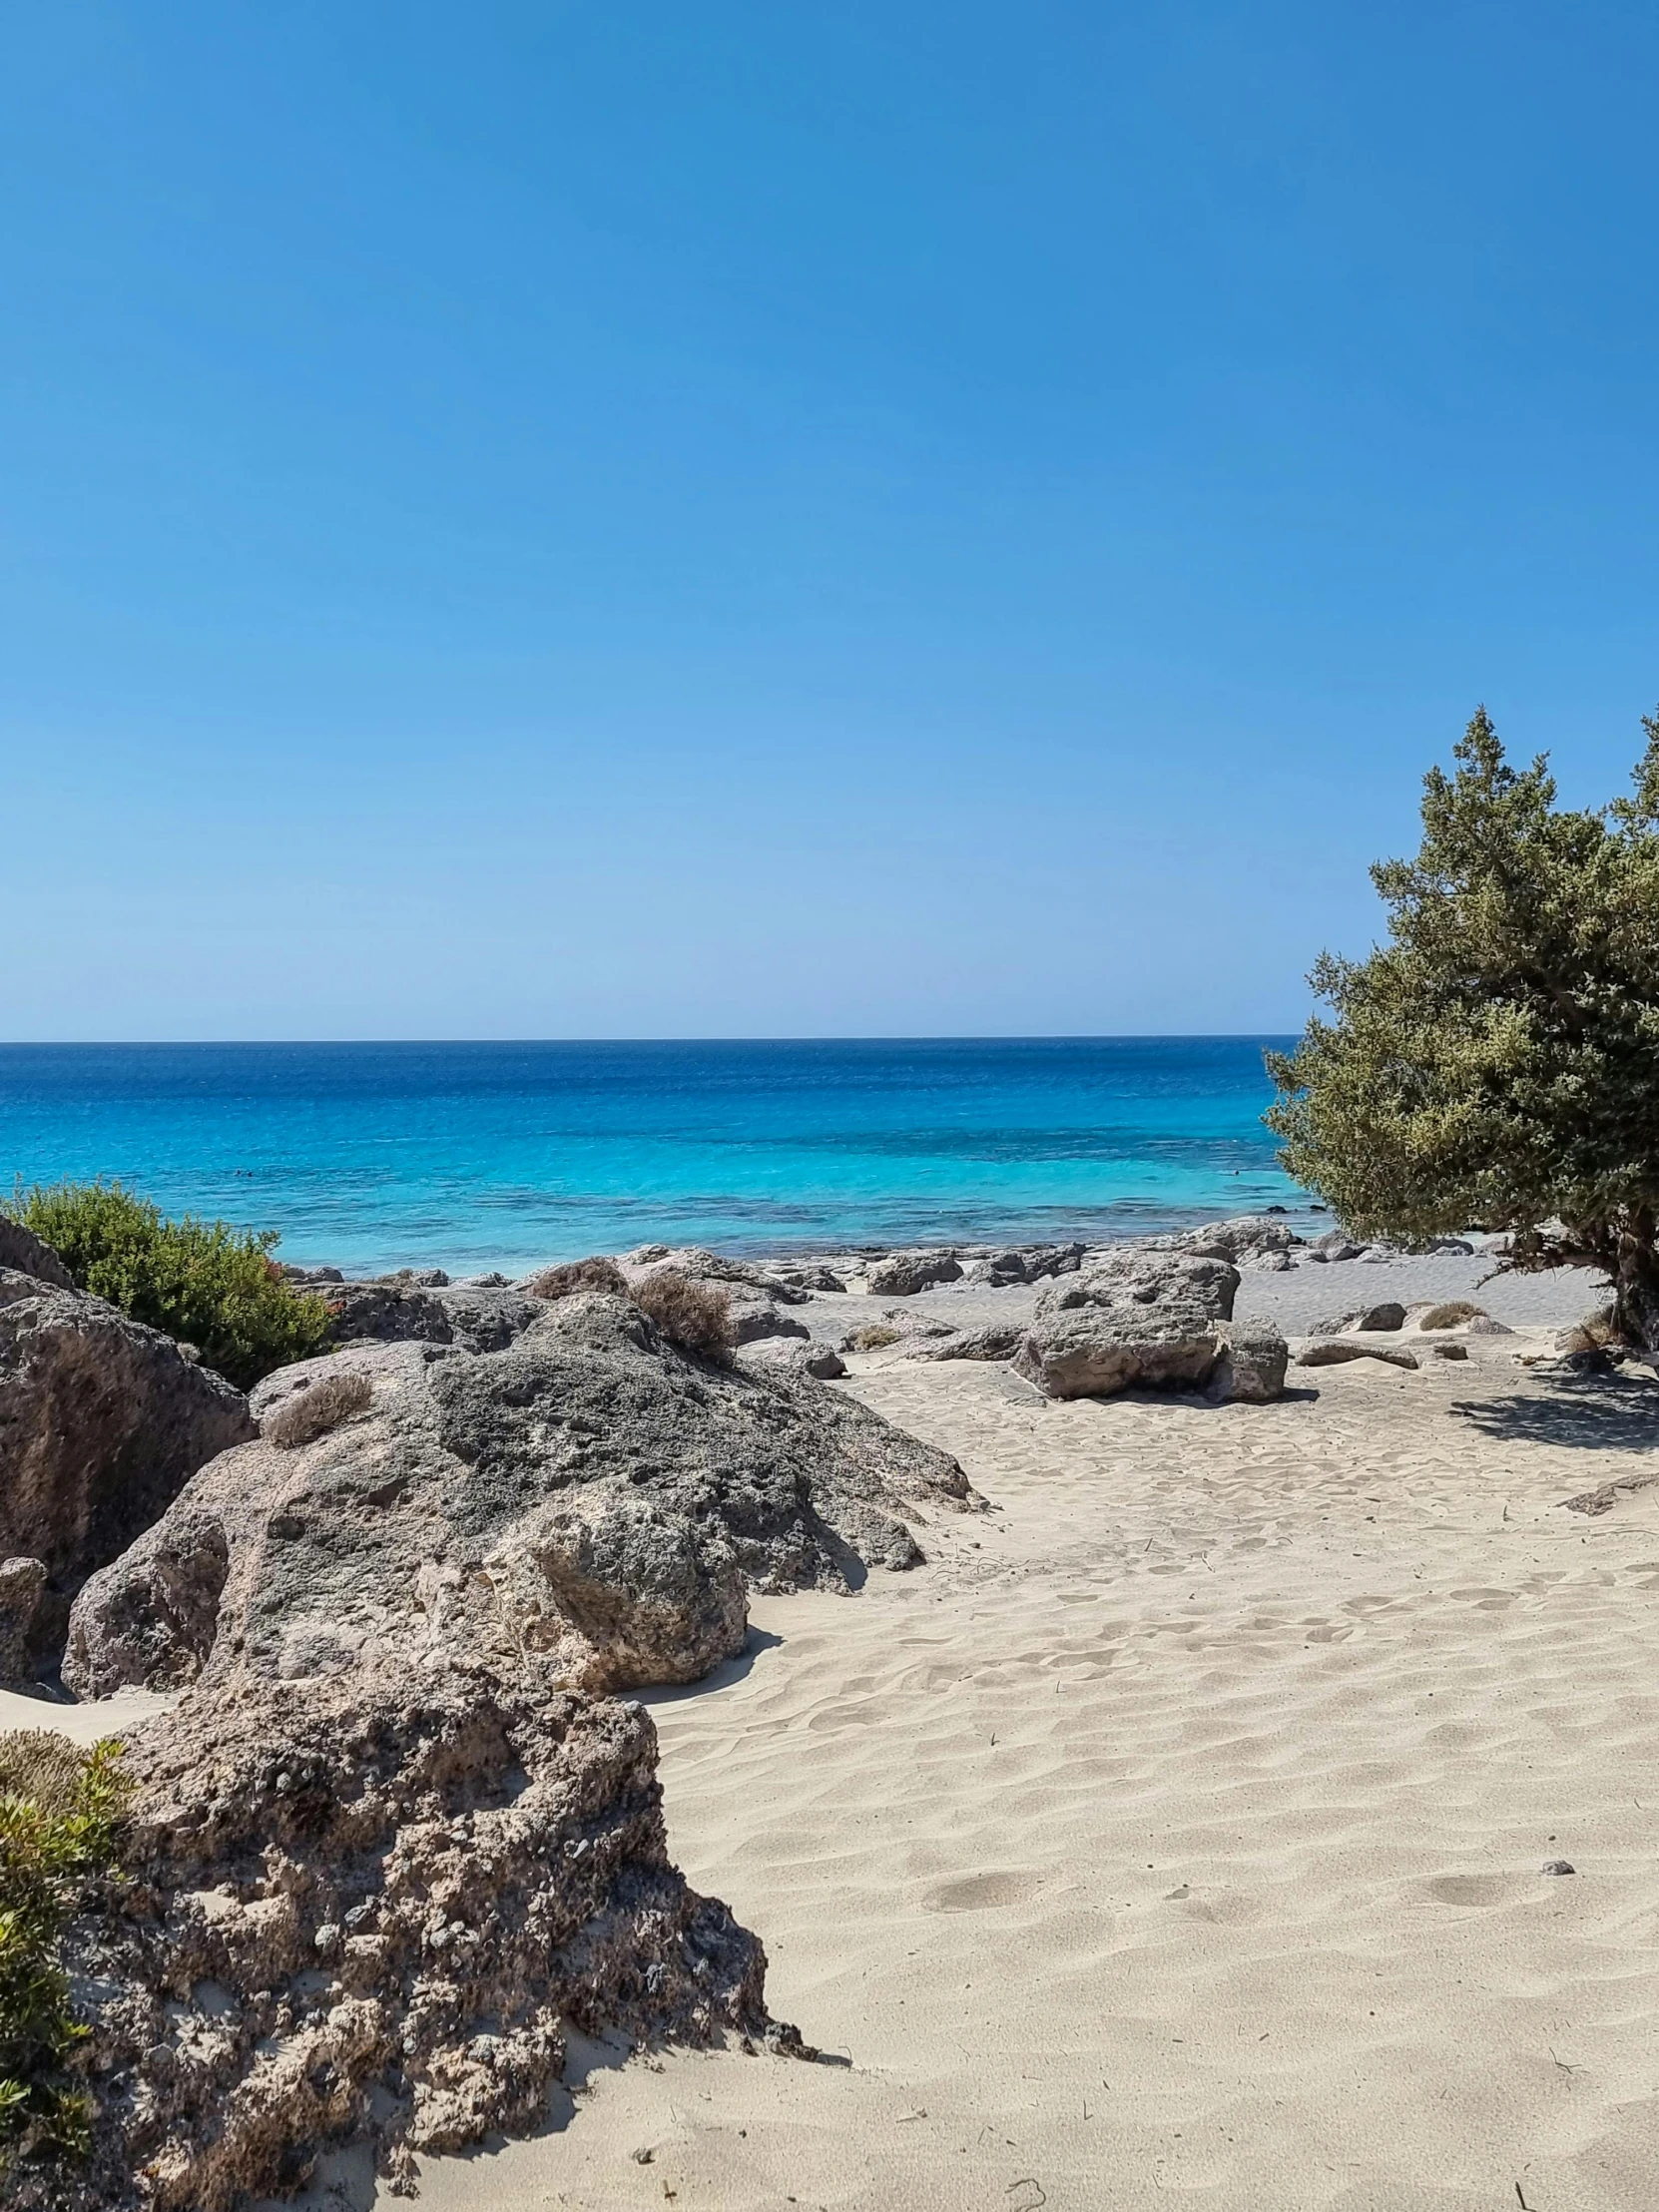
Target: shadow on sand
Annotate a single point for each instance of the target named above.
(1591, 1412)
(718, 1678)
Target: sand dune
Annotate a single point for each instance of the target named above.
(1176, 1837)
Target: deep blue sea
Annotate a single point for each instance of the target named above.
(478, 1156)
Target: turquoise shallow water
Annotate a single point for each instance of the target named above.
(476, 1156)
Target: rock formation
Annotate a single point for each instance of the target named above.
(1025, 1264)
(102, 1422)
(24, 1254)
(1334, 1353)
(371, 1910)
(902, 1274)
(394, 1836)
(592, 1494)
(1245, 1237)
(1149, 1319)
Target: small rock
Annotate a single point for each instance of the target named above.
(1335, 1245)
(902, 1274)
(1332, 1355)
(1388, 1317)
(1560, 1866)
(1451, 1352)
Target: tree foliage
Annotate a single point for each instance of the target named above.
(1496, 1064)
(204, 1282)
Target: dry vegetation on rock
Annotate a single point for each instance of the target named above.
(694, 1316)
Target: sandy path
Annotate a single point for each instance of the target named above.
(1181, 1842)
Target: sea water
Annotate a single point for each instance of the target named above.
(480, 1156)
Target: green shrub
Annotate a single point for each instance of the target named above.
(204, 1282)
(58, 1812)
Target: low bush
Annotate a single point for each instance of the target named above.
(876, 1336)
(311, 1413)
(203, 1282)
(579, 1274)
(58, 1812)
(1451, 1314)
(692, 1315)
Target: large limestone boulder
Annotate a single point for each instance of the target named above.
(374, 1912)
(592, 1494)
(102, 1422)
(24, 1254)
(1147, 1319)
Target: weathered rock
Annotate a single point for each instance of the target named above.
(1245, 1237)
(714, 1267)
(755, 1318)
(487, 1317)
(24, 1252)
(26, 1637)
(102, 1422)
(1336, 1324)
(798, 1354)
(1390, 1316)
(1249, 1367)
(592, 1494)
(813, 1275)
(375, 1915)
(1450, 1351)
(1142, 1320)
(388, 1312)
(152, 1615)
(1486, 1326)
(1336, 1353)
(997, 1339)
(902, 1274)
(1025, 1264)
(1335, 1245)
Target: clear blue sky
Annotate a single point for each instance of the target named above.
(679, 519)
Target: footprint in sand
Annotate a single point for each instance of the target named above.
(1472, 1889)
(980, 1892)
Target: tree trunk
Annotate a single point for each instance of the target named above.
(1636, 1295)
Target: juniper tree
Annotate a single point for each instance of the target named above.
(1496, 1064)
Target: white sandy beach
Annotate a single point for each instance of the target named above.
(1176, 1836)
